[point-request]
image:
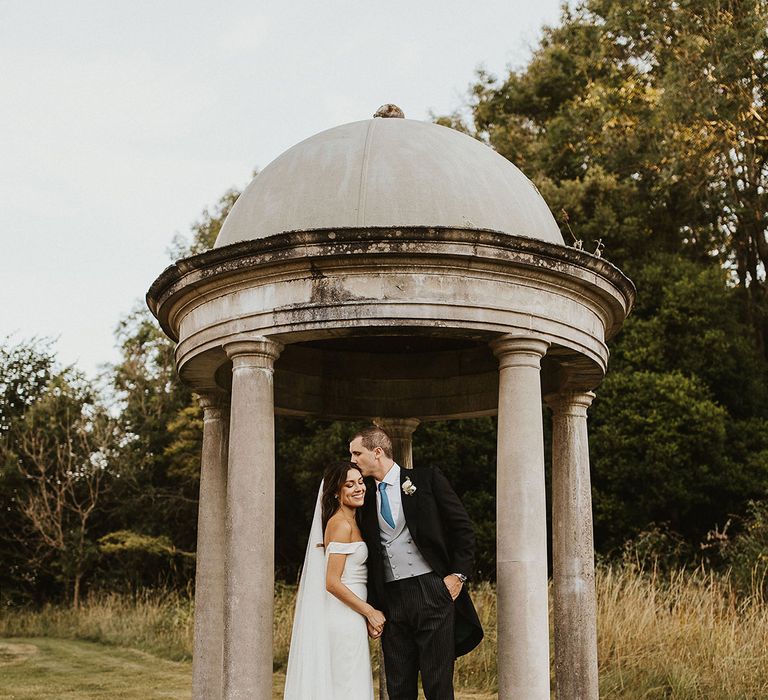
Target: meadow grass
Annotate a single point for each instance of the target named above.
(158, 622)
(64, 669)
(680, 635)
(40, 668)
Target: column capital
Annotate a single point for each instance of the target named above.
(212, 401)
(397, 427)
(401, 431)
(257, 351)
(570, 403)
(519, 350)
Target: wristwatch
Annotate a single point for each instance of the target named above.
(461, 577)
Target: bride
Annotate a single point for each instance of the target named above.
(329, 658)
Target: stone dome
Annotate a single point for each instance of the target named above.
(389, 173)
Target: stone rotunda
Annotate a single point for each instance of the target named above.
(401, 272)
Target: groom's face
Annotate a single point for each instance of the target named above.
(364, 458)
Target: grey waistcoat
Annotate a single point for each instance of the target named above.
(402, 558)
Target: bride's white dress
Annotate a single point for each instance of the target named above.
(348, 635)
(329, 657)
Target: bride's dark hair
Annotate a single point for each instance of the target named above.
(333, 479)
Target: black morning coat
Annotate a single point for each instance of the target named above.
(442, 531)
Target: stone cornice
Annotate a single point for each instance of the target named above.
(296, 246)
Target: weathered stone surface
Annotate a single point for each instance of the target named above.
(389, 172)
(521, 523)
(249, 601)
(210, 573)
(575, 606)
(451, 290)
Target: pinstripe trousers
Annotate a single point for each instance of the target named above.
(418, 636)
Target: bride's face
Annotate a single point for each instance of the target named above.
(352, 492)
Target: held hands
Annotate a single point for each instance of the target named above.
(375, 620)
(453, 584)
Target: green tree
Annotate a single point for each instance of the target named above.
(61, 449)
(658, 442)
(709, 62)
(646, 123)
(155, 492)
(680, 423)
(26, 368)
(688, 319)
(642, 124)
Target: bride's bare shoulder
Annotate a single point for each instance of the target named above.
(338, 529)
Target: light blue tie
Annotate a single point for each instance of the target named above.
(386, 511)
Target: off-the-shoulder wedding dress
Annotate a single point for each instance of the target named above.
(329, 657)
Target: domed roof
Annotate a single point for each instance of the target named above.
(389, 172)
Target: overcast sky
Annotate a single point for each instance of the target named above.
(121, 120)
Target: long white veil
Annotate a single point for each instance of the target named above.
(309, 663)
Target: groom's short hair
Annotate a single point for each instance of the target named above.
(373, 438)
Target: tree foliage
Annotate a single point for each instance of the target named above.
(645, 122)
(26, 368)
(643, 125)
(55, 457)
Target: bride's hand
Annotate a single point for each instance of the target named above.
(372, 633)
(376, 620)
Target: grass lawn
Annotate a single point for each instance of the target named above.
(44, 669)
(40, 668)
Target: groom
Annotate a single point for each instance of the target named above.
(421, 547)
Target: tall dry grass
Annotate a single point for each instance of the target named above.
(158, 622)
(680, 635)
(477, 670)
(684, 635)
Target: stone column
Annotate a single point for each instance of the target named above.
(400, 430)
(523, 629)
(210, 573)
(250, 521)
(575, 607)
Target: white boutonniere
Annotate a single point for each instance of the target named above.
(408, 488)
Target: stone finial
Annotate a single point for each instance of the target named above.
(599, 250)
(389, 111)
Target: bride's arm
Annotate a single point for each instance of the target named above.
(341, 531)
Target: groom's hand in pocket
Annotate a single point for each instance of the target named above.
(453, 584)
